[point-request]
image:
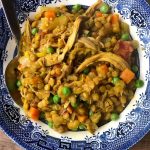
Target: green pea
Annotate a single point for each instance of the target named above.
(50, 50)
(56, 99)
(50, 124)
(139, 83)
(135, 68)
(115, 80)
(34, 31)
(104, 8)
(76, 8)
(91, 113)
(125, 37)
(114, 116)
(18, 83)
(86, 71)
(82, 127)
(66, 91)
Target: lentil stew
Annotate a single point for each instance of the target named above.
(77, 70)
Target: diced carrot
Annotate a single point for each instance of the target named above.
(127, 75)
(70, 109)
(50, 14)
(103, 69)
(115, 19)
(115, 23)
(99, 14)
(82, 118)
(34, 113)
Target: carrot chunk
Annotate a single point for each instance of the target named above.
(103, 69)
(34, 113)
(115, 19)
(127, 75)
(99, 14)
(50, 14)
(82, 118)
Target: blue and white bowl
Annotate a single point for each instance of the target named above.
(134, 122)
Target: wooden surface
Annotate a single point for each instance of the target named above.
(7, 144)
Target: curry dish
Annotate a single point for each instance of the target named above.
(76, 69)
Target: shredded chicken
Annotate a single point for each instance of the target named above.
(93, 45)
(90, 11)
(26, 38)
(116, 60)
(28, 31)
(72, 37)
(55, 58)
